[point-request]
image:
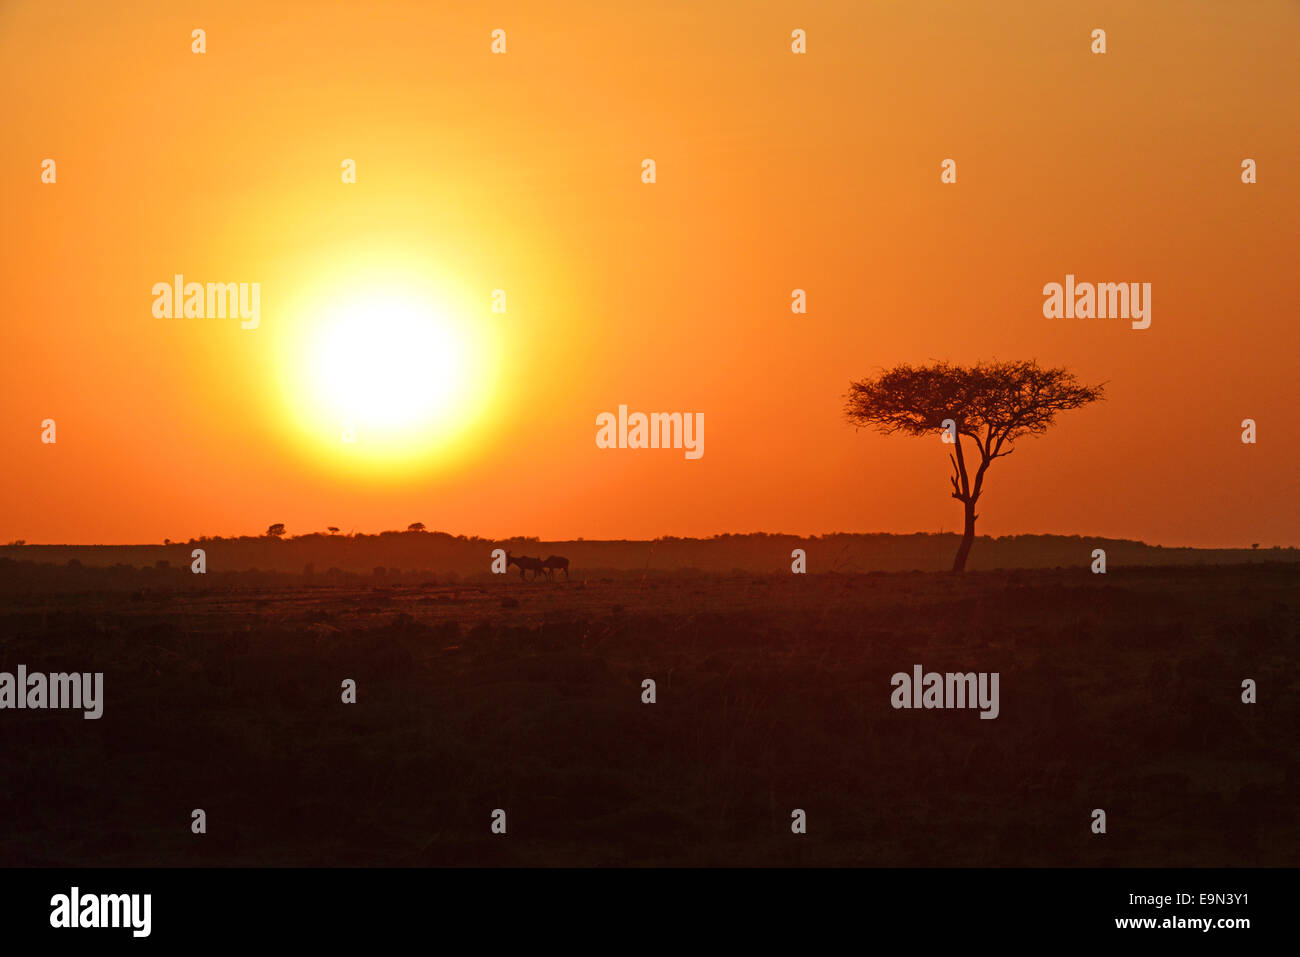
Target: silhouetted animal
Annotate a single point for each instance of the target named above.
(554, 563)
(524, 562)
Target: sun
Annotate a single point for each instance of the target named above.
(388, 366)
(387, 376)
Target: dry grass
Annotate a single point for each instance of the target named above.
(1120, 692)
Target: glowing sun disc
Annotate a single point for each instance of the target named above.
(382, 378)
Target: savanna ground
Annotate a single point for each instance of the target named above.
(1120, 692)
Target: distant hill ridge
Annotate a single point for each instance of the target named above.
(756, 552)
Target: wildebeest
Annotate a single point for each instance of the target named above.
(553, 563)
(524, 562)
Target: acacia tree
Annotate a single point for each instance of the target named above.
(991, 403)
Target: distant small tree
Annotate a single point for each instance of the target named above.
(415, 527)
(991, 403)
(276, 530)
(333, 529)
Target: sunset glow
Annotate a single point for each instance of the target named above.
(522, 172)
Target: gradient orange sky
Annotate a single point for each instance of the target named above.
(775, 171)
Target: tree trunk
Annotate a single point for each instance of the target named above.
(967, 539)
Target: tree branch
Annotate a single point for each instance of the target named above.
(961, 464)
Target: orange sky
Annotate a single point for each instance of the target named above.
(775, 171)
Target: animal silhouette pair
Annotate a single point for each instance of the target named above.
(548, 566)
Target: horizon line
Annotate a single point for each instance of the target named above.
(166, 543)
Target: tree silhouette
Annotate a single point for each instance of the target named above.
(276, 530)
(991, 403)
(415, 527)
(333, 529)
